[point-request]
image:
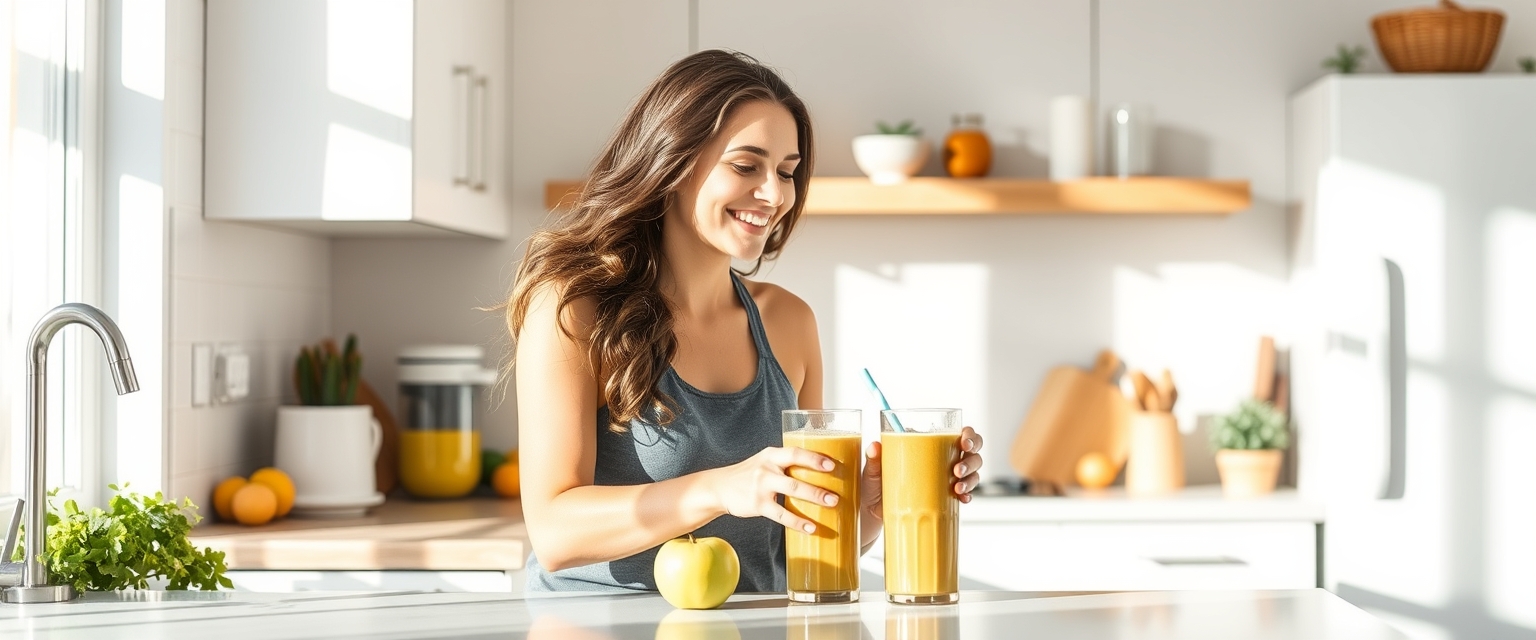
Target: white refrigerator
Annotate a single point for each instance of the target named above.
(1413, 237)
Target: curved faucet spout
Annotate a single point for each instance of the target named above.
(34, 585)
(99, 322)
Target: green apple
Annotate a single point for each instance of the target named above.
(697, 573)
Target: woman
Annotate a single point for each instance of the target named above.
(648, 394)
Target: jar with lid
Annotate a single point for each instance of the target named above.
(967, 151)
(439, 442)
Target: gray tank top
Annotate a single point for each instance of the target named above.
(711, 430)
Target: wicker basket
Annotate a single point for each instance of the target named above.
(1447, 38)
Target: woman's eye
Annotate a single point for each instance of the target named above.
(743, 169)
(786, 176)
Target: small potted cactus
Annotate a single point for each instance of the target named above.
(328, 443)
(893, 154)
(1249, 443)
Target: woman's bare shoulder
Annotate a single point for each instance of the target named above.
(779, 306)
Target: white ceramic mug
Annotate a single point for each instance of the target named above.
(328, 451)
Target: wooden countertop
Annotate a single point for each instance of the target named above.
(473, 533)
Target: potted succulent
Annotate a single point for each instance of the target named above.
(892, 155)
(1249, 443)
(328, 443)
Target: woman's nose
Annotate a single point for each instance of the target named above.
(771, 191)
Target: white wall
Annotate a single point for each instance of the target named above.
(1192, 294)
(257, 290)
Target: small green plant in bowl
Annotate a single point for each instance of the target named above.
(903, 128)
(1528, 64)
(1347, 60)
(892, 155)
(1249, 443)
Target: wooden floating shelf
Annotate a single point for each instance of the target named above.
(1140, 195)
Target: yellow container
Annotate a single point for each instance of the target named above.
(439, 443)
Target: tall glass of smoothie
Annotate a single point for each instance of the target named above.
(919, 451)
(824, 566)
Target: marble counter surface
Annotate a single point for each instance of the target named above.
(1312, 614)
(1191, 504)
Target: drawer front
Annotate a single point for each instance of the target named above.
(1112, 556)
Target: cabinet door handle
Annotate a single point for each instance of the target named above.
(463, 78)
(1199, 561)
(481, 129)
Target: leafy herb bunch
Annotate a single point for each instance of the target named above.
(1255, 425)
(137, 539)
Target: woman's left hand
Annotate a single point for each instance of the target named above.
(970, 464)
(966, 471)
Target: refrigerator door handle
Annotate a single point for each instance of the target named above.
(1397, 386)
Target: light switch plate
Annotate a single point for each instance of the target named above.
(202, 374)
(232, 375)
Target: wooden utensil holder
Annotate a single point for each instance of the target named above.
(1156, 462)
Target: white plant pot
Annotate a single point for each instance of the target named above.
(890, 159)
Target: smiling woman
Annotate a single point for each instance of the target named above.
(649, 398)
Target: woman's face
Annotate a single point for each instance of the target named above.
(743, 181)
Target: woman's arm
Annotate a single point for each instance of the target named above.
(572, 522)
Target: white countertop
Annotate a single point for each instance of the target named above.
(1313, 614)
(1191, 504)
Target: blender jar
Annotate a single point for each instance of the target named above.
(439, 443)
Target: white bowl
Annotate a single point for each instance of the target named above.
(888, 158)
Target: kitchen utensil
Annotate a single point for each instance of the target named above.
(386, 467)
(1128, 389)
(1074, 412)
(1156, 462)
(1264, 374)
(1167, 393)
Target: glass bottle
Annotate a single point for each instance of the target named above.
(967, 151)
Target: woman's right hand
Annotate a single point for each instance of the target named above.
(751, 487)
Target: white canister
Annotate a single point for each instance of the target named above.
(329, 453)
(1071, 138)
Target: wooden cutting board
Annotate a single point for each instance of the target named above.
(1075, 412)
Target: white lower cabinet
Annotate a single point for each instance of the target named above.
(444, 581)
(1138, 556)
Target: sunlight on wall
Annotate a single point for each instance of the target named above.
(1367, 211)
(366, 178)
(143, 56)
(26, 250)
(1511, 527)
(141, 316)
(1511, 264)
(369, 52)
(35, 42)
(921, 329)
(1202, 322)
(1399, 548)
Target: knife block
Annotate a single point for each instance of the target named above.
(1156, 461)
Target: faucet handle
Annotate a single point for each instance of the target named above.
(10, 532)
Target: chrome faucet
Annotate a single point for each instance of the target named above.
(28, 579)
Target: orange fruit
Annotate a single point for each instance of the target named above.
(1095, 471)
(223, 494)
(506, 481)
(255, 503)
(280, 483)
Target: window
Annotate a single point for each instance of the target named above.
(49, 232)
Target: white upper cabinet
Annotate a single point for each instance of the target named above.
(358, 117)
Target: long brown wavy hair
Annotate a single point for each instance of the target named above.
(608, 247)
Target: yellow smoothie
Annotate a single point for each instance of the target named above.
(922, 515)
(439, 463)
(826, 562)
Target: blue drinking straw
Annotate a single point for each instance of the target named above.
(875, 390)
